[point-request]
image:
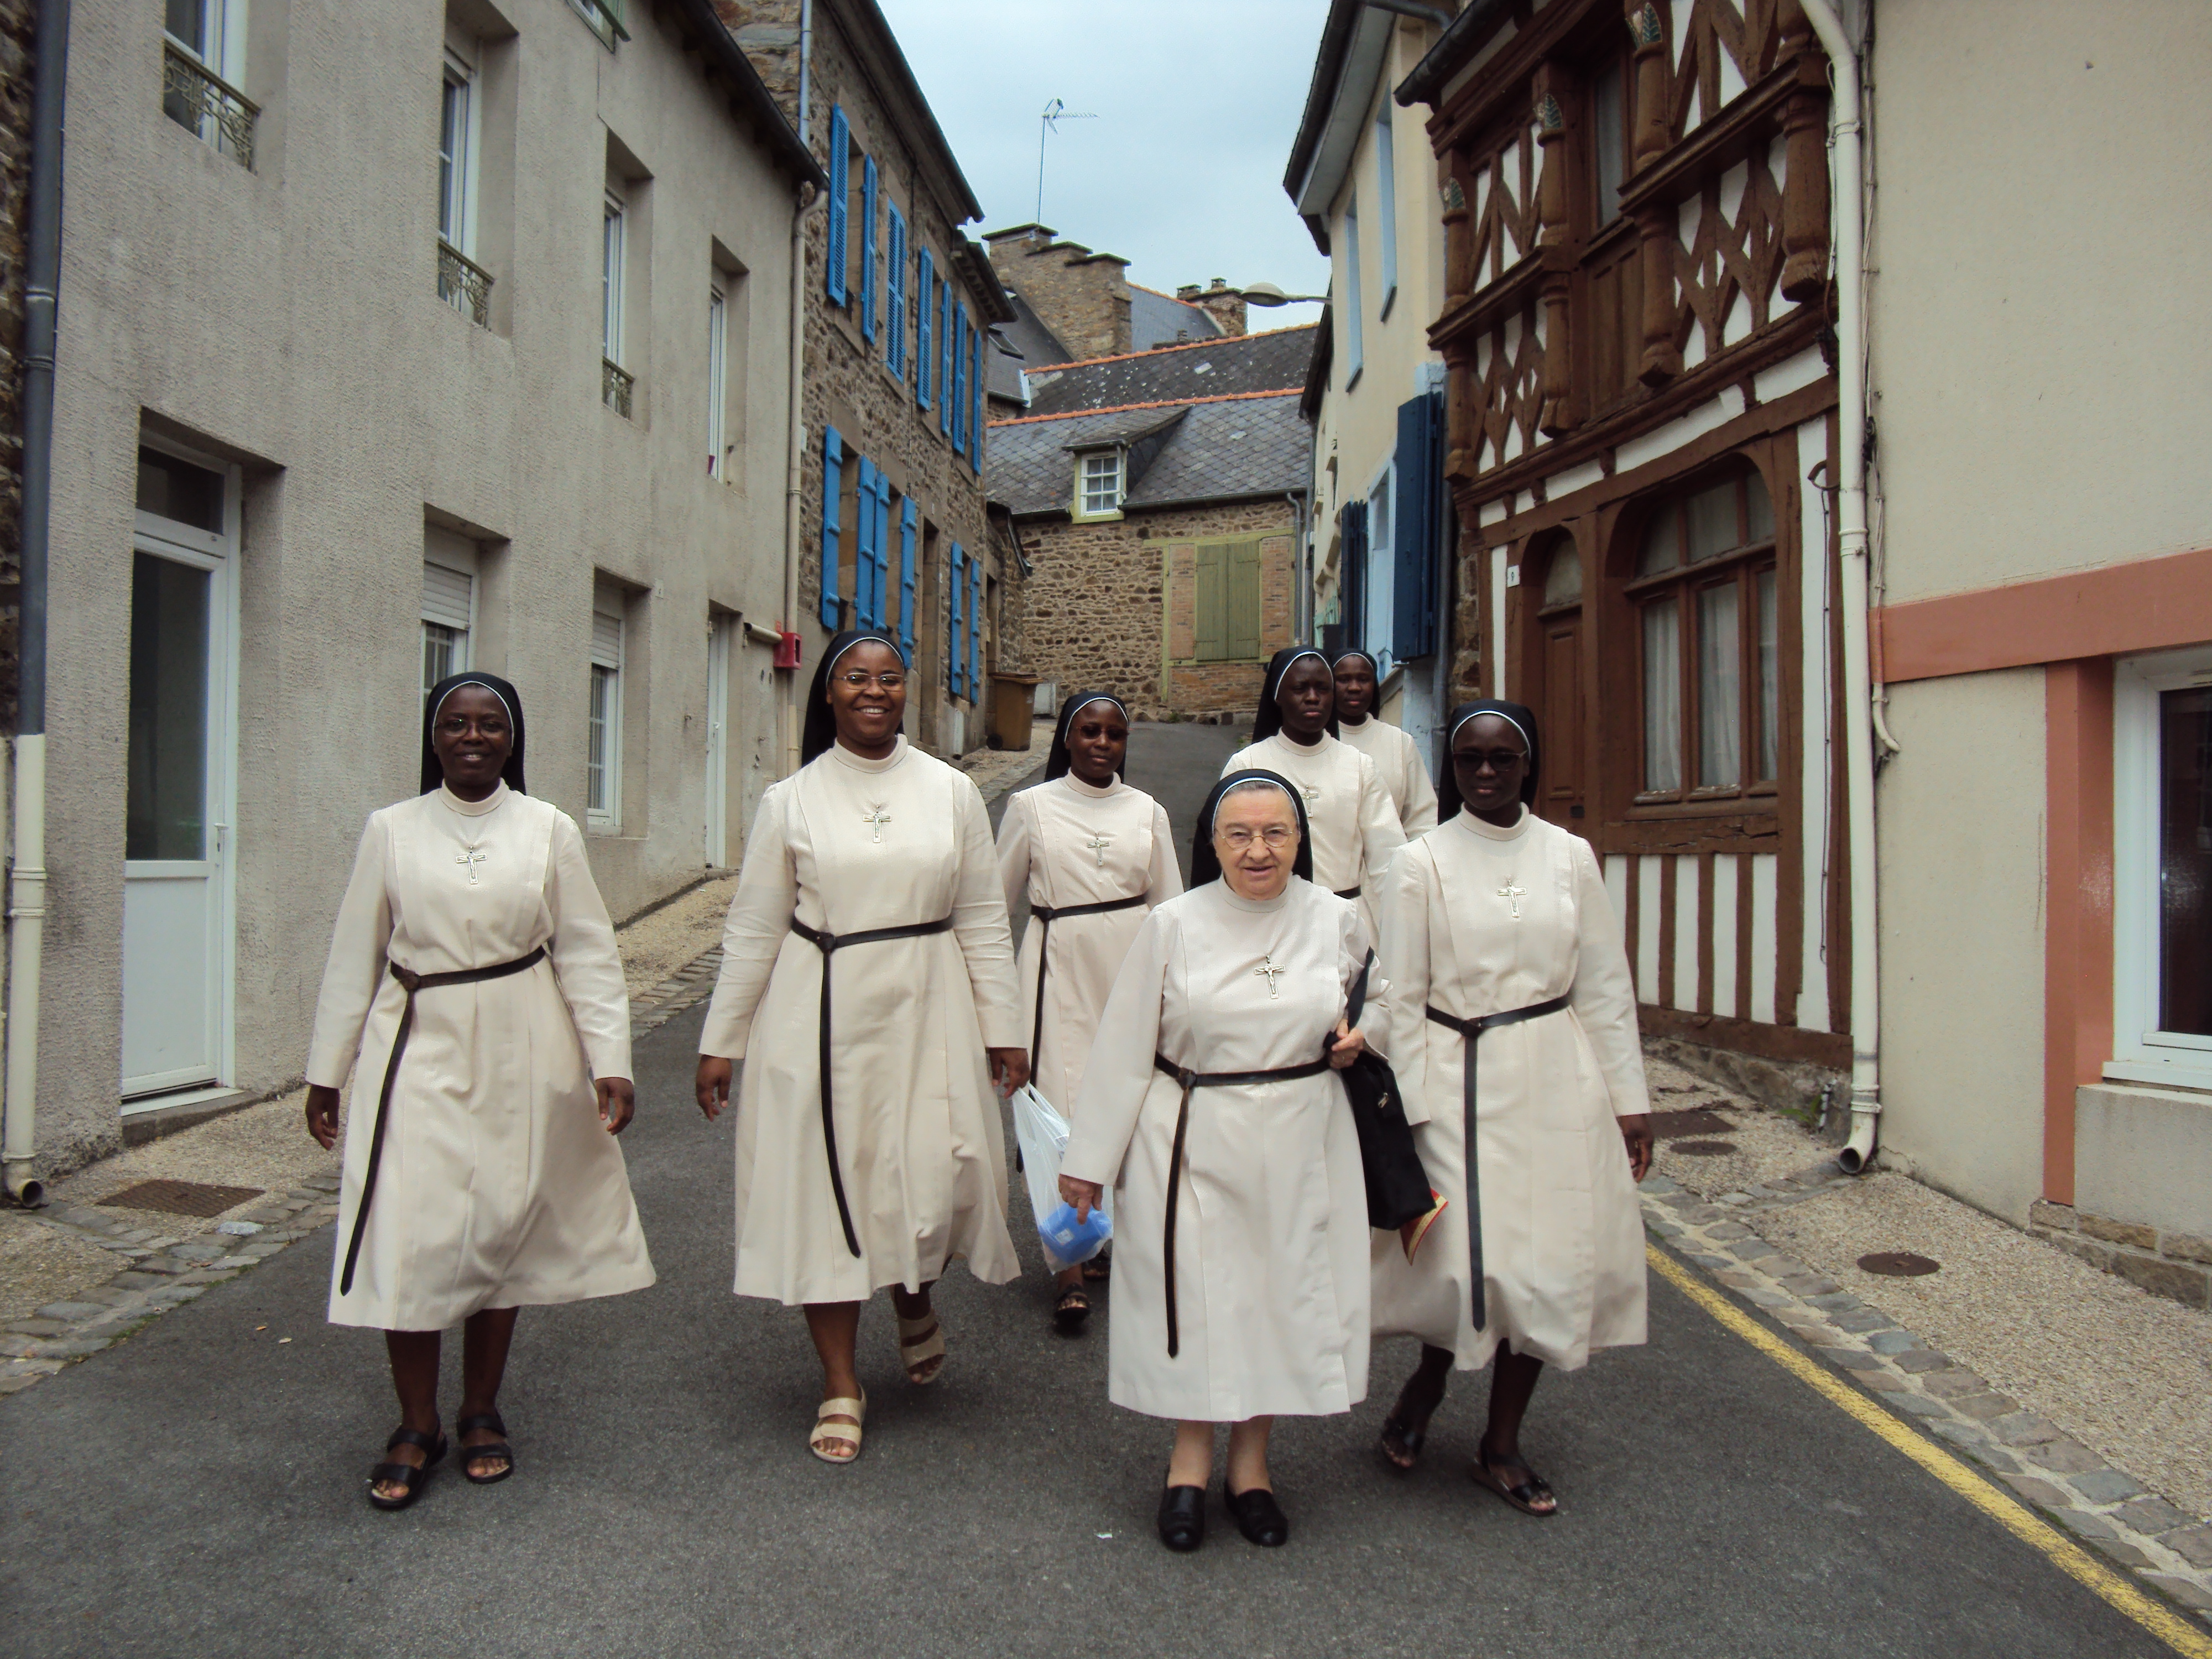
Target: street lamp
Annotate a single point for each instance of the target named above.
(1266, 293)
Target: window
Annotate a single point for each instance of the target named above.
(894, 294)
(1228, 600)
(868, 249)
(959, 332)
(1608, 139)
(2162, 870)
(1386, 191)
(834, 233)
(204, 58)
(871, 509)
(948, 411)
(1708, 634)
(462, 283)
(1098, 483)
(608, 19)
(975, 399)
(615, 383)
(718, 374)
(449, 588)
(925, 273)
(956, 638)
(906, 575)
(602, 740)
(1348, 307)
(833, 473)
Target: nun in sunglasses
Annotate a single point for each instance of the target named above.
(1514, 1028)
(1094, 856)
(867, 984)
(475, 996)
(1212, 1107)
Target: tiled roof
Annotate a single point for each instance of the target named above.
(1156, 319)
(1251, 363)
(1234, 447)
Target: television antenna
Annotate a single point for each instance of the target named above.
(1048, 122)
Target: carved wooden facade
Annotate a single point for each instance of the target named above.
(1635, 207)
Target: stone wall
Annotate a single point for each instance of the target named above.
(1219, 302)
(1081, 296)
(2161, 1261)
(1112, 605)
(17, 26)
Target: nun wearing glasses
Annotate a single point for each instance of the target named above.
(1095, 857)
(867, 984)
(1212, 1108)
(1513, 1030)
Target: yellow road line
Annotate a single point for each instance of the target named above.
(2001, 1507)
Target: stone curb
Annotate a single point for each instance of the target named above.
(2166, 1548)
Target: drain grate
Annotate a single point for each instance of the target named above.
(1692, 1120)
(180, 1198)
(1702, 1148)
(1899, 1264)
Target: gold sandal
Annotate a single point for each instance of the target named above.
(828, 1434)
(920, 1341)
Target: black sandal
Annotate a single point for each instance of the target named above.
(1397, 1434)
(499, 1448)
(1070, 1313)
(1524, 1497)
(410, 1475)
(1100, 1267)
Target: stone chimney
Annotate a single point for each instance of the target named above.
(767, 32)
(1219, 302)
(1081, 296)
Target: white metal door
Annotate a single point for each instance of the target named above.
(719, 627)
(176, 874)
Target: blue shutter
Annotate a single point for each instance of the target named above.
(976, 400)
(882, 549)
(955, 647)
(924, 268)
(1413, 549)
(833, 475)
(975, 627)
(906, 574)
(833, 252)
(1351, 577)
(868, 249)
(959, 410)
(864, 547)
(944, 331)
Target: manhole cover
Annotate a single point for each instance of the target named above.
(1702, 1148)
(1899, 1264)
(180, 1198)
(1693, 1120)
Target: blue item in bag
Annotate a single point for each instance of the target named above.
(1070, 1240)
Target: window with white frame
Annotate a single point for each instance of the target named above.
(457, 156)
(718, 374)
(614, 382)
(1098, 483)
(202, 67)
(602, 740)
(2162, 870)
(449, 596)
(1379, 592)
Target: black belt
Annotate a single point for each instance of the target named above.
(1045, 917)
(1349, 892)
(1472, 1028)
(829, 944)
(1190, 1080)
(412, 982)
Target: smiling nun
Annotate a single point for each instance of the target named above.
(1397, 757)
(867, 982)
(473, 971)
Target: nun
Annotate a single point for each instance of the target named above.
(1212, 1108)
(1355, 826)
(1513, 1024)
(1397, 757)
(1094, 856)
(475, 997)
(867, 980)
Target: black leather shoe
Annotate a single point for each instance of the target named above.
(1183, 1517)
(1258, 1516)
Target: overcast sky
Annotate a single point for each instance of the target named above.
(1181, 174)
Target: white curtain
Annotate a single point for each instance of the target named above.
(1662, 697)
(1720, 689)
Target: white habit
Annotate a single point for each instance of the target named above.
(1066, 842)
(850, 845)
(1354, 826)
(498, 1187)
(1398, 764)
(1562, 1235)
(1271, 1225)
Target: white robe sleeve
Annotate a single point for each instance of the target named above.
(586, 958)
(1604, 995)
(1119, 1074)
(1165, 881)
(979, 921)
(760, 915)
(1405, 949)
(355, 966)
(1380, 834)
(1420, 814)
(1375, 1015)
(1014, 842)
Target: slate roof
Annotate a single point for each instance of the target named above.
(1221, 450)
(1027, 334)
(1155, 319)
(1208, 368)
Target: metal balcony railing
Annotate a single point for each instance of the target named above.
(204, 104)
(615, 384)
(463, 284)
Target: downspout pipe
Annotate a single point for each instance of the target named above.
(1300, 571)
(1846, 138)
(27, 883)
(795, 466)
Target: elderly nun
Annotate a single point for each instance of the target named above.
(475, 996)
(1212, 1108)
(1513, 1027)
(867, 983)
(1095, 857)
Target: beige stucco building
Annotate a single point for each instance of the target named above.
(394, 338)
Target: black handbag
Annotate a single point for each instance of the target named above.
(1397, 1185)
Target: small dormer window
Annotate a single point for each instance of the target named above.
(1098, 484)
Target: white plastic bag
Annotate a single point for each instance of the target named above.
(1042, 1134)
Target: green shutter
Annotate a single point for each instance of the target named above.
(1243, 599)
(1212, 607)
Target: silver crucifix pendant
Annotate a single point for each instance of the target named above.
(472, 857)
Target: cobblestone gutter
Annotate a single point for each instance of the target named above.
(2166, 1548)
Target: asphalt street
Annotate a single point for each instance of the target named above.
(197, 1490)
